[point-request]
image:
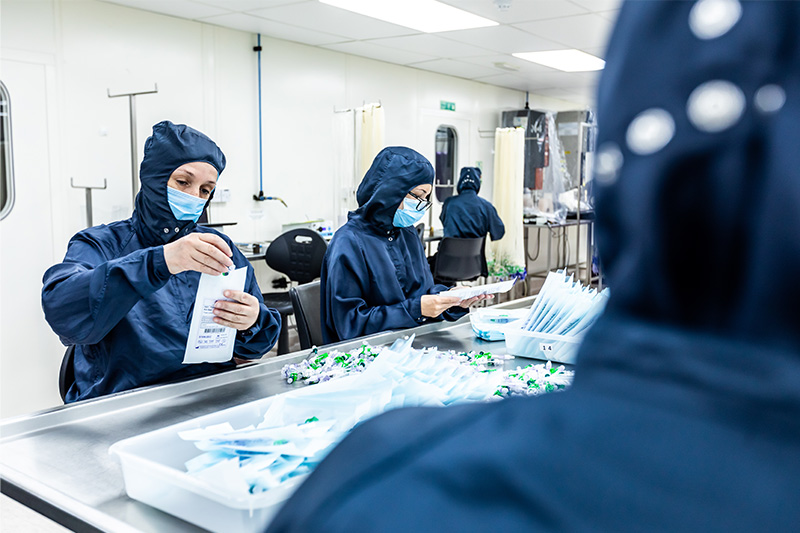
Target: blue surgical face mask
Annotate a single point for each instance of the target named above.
(185, 206)
(408, 216)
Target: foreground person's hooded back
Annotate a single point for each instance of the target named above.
(113, 295)
(685, 411)
(467, 215)
(375, 274)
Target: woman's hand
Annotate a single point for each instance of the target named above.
(201, 252)
(433, 305)
(476, 299)
(241, 313)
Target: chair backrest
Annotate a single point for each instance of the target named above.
(306, 303)
(420, 231)
(66, 374)
(297, 254)
(460, 259)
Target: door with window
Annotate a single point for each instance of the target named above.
(30, 353)
(444, 184)
(444, 138)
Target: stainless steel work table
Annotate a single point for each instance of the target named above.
(57, 462)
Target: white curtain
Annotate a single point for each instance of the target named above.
(508, 253)
(359, 136)
(372, 136)
(344, 154)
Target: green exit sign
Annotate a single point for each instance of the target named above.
(447, 106)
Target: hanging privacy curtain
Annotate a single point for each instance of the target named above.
(344, 155)
(507, 256)
(371, 136)
(359, 136)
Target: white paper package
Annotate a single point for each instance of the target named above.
(208, 341)
(470, 292)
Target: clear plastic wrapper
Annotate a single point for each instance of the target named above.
(547, 202)
(489, 324)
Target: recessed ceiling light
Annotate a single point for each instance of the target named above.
(426, 16)
(565, 60)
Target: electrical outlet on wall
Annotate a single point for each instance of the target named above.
(221, 196)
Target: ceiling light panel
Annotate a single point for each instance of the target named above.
(320, 17)
(565, 60)
(426, 16)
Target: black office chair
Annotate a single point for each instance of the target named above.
(66, 375)
(306, 303)
(298, 255)
(460, 260)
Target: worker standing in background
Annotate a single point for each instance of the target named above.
(375, 276)
(685, 410)
(124, 294)
(467, 215)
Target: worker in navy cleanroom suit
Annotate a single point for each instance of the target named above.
(124, 294)
(375, 276)
(685, 410)
(467, 215)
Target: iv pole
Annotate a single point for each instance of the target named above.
(89, 221)
(134, 142)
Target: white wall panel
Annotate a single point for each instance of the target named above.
(30, 354)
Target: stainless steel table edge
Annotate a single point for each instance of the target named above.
(57, 506)
(60, 506)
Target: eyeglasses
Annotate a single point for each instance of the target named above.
(422, 203)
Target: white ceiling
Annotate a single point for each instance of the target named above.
(526, 26)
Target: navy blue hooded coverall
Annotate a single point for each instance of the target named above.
(685, 410)
(467, 215)
(375, 274)
(114, 298)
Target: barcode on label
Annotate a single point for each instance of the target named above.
(546, 347)
(214, 330)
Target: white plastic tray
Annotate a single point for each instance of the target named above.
(524, 343)
(154, 473)
(489, 323)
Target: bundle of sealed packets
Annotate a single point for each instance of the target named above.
(533, 380)
(320, 367)
(564, 307)
(556, 322)
(300, 427)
